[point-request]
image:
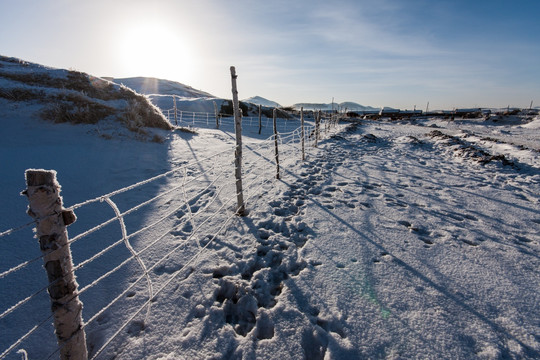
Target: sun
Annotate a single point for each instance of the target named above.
(154, 49)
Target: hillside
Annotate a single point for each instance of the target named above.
(258, 100)
(66, 96)
(152, 86)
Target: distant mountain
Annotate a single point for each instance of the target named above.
(258, 100)
(153, 86)
(349, 106)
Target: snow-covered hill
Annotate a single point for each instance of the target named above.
(66, 96)
(161, 93)
(151, 86)
(258, 100)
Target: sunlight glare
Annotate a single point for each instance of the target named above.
(155, 50)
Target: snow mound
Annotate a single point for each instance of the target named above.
(534, 124)
(66, 96)
(466, 150)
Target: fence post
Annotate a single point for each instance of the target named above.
(217, 115)
(241, 210)
(327, 124)
(276, 143)
(303, 135)
(317, 127)
(175, 119)
(260, 119)
(45, 205)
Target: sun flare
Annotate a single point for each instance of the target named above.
(156, 50)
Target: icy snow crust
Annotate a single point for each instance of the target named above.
(386, 242)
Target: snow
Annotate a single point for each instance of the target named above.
(534, 124)
(385, 243)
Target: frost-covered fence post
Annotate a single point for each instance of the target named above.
(45, 206)
(217, 115)
(241, 210)
(327, 124)
(276, 142)
(260, 119)
(317, 127)
(175, 119)
(302, 134)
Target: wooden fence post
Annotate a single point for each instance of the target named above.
(175, 119)
(276, 143)
(217, 115)
(241, 210)
(303, 135)
(317, 127)
(327, 124)
(45, 206)
(260, 119)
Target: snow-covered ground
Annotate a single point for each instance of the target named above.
(390, 241)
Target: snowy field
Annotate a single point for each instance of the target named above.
(402, 240)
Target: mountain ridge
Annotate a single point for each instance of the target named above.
(259, 100)
(156, 86)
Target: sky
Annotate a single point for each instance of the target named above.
(398, 53)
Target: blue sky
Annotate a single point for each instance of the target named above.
(398, 53)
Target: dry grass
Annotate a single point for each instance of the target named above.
(157, 139)
(13, 60)
(140, 113)
(82, 99)
(68, 112)
(18, 94)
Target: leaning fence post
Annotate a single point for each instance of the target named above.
(276, 142)
(238, 152)
(303, 135)
(45, 206)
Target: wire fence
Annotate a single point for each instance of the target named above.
(218, 120)
(182, 210)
